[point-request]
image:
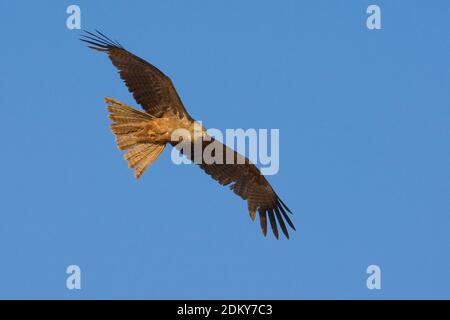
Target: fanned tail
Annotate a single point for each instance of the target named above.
(127, 124)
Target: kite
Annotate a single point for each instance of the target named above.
(145, 134)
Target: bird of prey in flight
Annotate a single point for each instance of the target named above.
(145, 134)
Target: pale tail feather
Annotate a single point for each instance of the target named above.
(127, 122)
(142, 155)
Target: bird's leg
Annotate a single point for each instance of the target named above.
(156, 131)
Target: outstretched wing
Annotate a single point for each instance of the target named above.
(244, 179)
(151, 88)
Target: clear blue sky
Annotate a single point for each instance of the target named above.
(364, 119)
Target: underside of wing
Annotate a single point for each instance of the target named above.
(151, 88)
(245, 179)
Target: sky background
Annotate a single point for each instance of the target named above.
(364, 151)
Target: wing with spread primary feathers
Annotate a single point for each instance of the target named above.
(246, 181)
(151, 88)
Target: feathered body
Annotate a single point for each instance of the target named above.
(144, 135)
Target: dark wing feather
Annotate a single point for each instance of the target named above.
(151, 88)
(246, 181)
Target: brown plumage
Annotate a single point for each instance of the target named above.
(144, 135)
